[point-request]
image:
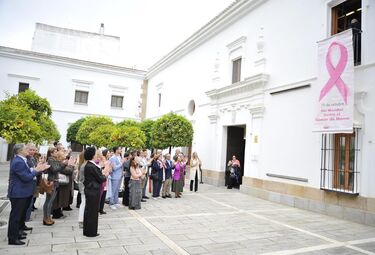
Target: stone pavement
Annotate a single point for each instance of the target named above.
(211, 221)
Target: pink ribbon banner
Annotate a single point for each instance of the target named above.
(335, 73)
(334, 111)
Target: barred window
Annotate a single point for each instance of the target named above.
(117, 101)
(81, 97)
(339, 167)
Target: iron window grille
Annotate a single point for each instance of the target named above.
(339, 163)
(117, 101)
(81, 97)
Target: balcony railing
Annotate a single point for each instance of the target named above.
(357, 45)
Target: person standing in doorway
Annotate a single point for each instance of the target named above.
(195, 162)
(234, 167)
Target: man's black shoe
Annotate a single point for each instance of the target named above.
(21, 237)
(22, 233)
(17, 242)
(27, 228)
(68, 208)
(143, 200)
(102, 212)
(145, 197)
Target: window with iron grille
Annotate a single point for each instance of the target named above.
(23, 86)
(236, 70)
(348, 15)
(116, 101)
(339, 167)
(81, 97)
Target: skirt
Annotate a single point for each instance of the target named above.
(177, 186)
(135, 195)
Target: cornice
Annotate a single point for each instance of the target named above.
(249, 84)
(23, 76)
(232, 13)
(70, 62)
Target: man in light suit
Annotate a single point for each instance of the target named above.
(20, 192)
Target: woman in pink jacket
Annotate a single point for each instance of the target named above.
(178, 177)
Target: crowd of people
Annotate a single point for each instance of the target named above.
(98, 177)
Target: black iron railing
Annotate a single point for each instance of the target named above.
(357, 45)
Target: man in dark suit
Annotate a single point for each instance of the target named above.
(20, 192)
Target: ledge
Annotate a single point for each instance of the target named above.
(250, 83)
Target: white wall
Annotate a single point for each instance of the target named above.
(287, 145)
(58, 82)
(76, 44)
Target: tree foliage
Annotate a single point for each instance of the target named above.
(71, 134)
(146, 126)
(128, 123)
(129, 137)
(26, 117)
(102, 136)
(172, 130)
(89, 125)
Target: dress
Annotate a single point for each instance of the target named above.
(135, 188)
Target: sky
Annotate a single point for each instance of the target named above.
(149, 29)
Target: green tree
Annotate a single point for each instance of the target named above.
(102, 136)
(89, 125)
(48, 129)
(17, 122)
(71, 134)
(26, 117)
(146, 126)
(172, 130)
(129, 137)
(128, 123)
(40, 105)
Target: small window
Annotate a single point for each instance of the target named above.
(236, 70)
(22, 86)
(339, 162)
(159, 104)
(116, 101)
(81, 97)
(348, 15)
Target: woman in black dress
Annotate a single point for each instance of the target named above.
(93, 179)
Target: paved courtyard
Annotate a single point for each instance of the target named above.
(212, 221)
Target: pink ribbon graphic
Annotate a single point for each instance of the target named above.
(335, 73)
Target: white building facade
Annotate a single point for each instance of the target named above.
(248, 81)
(74, 87)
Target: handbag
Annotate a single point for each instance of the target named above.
(45, 186)
(63, 179)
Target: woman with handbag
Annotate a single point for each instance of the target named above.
(65, 188)
(52, 172)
